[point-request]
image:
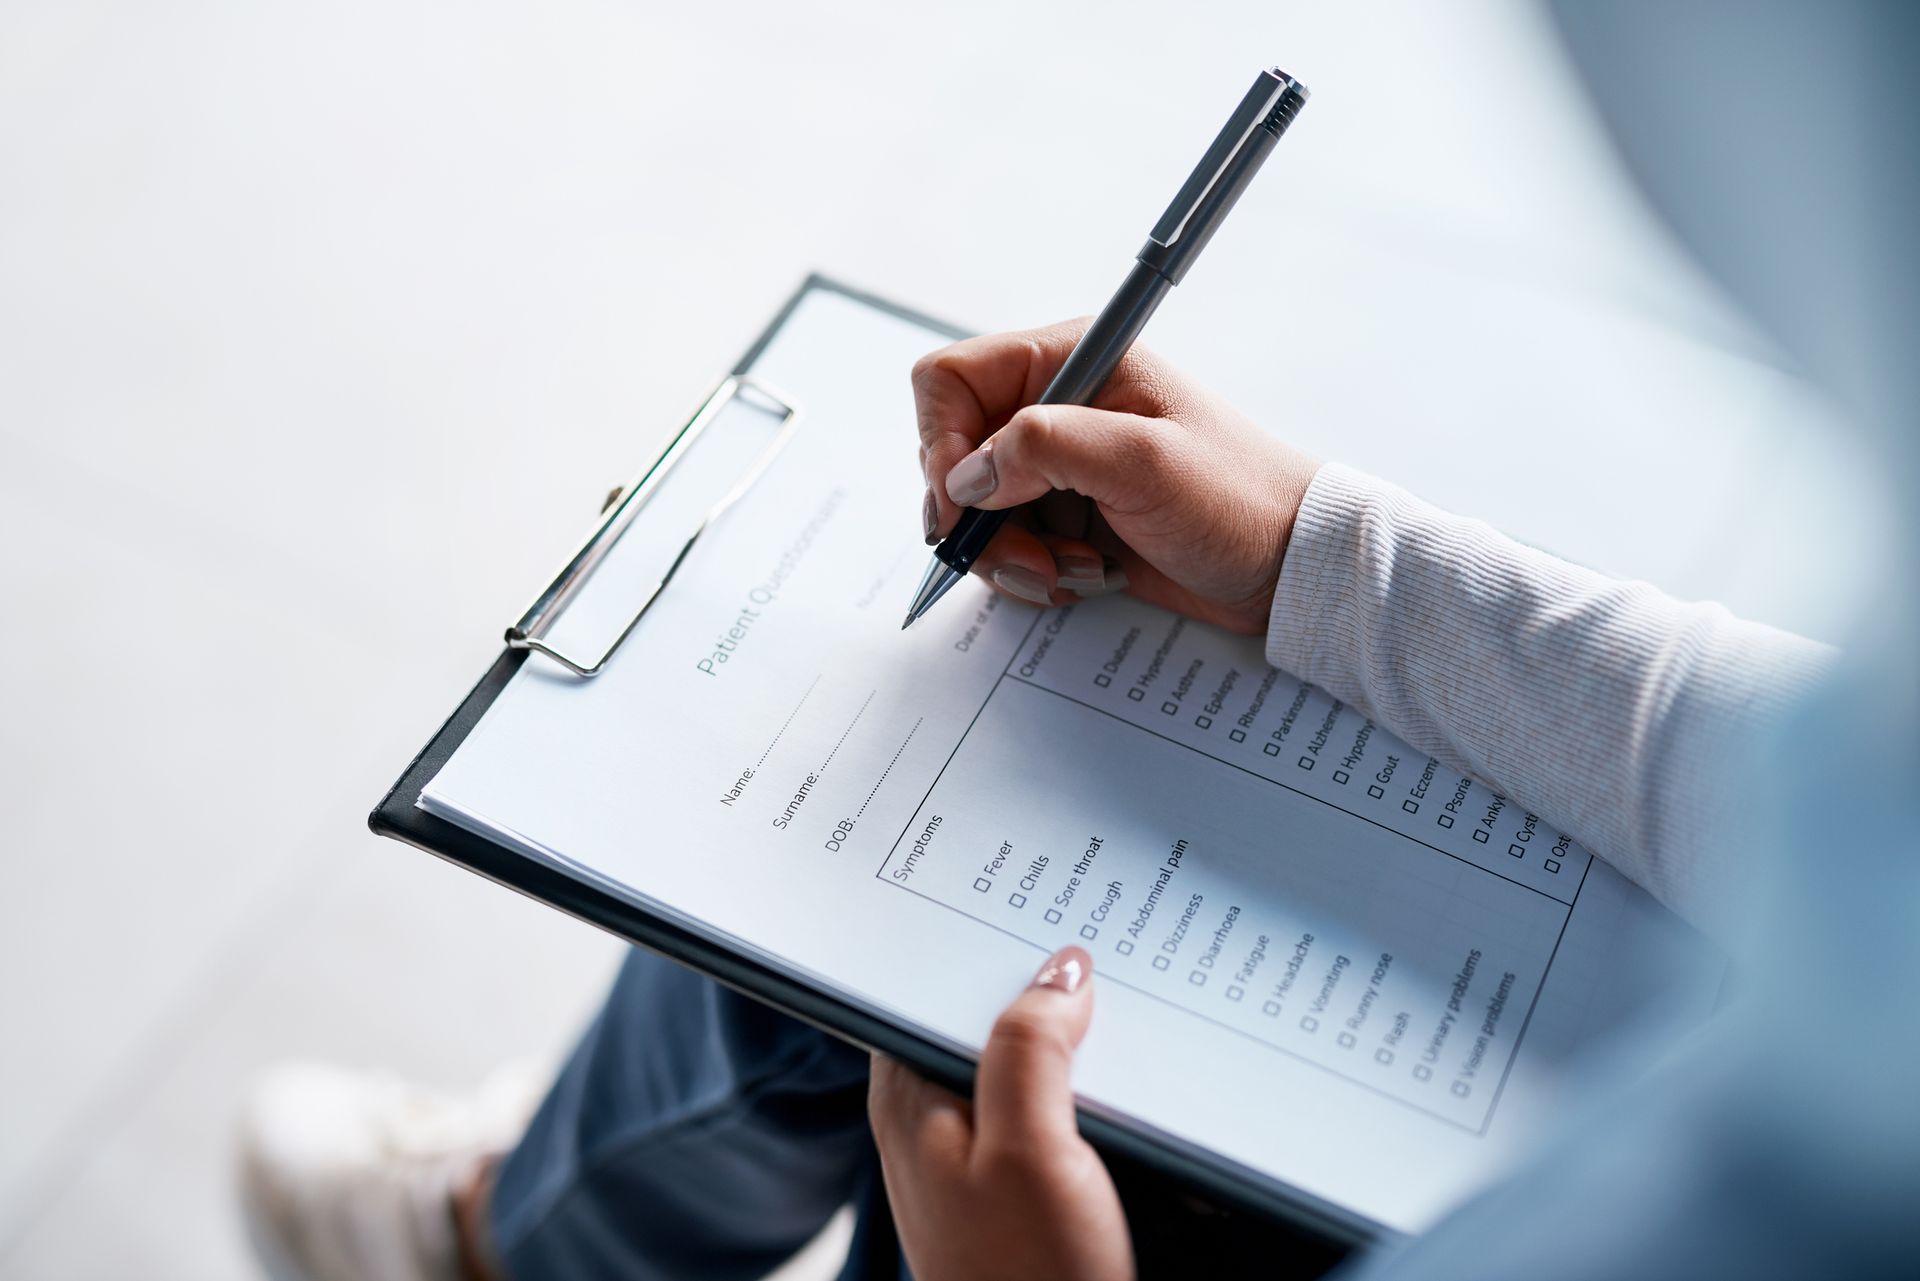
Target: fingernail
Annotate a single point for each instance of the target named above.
(1023, 583)
(930, 517)
(972, 477)
(1114, 580)
(1083, 574)
(1065, 970)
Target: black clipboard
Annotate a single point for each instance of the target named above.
(1139, 1158)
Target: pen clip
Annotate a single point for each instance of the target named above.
(1165, 248)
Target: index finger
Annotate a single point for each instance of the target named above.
(964, 392)
(914, 1119)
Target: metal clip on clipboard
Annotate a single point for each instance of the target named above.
(538, 622)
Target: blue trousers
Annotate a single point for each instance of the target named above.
(694, 1133)
(698, 1134)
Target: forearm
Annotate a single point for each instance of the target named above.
(1607, 707)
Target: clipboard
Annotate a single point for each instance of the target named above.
(1137, 1158)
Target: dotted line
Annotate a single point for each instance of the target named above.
(783, 726)
(890, 764)
(843, 738)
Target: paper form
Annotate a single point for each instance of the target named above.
(1317, 952)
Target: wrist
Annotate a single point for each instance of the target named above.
(1291, 489)
(1289, 486)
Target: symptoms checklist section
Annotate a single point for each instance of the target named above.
(1223, 872)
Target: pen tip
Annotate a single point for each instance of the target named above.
(939, 580)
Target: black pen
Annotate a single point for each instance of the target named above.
(1176, 240)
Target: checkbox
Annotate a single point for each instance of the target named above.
(1169, 707)
(1235, 992)
(1446, 820)
(1124, 946)
(982, 884)
(1089, 931)
(1161, 962)
(1270, 1009)
(1422, 1072)
(1018, 900)
(1462, 1089)
(1309, 1024)
(1198, 978)
(1411, 807)
(1517, 850)
(1383, 1056)
(1136, 693)
(1376, 791)
(1306, 762)
(1204, 722)
(1346, 1040)
(1053, 916)
(1341, 776)
(1102, 680)
(1480, 834)
(1237, 735)
(1273, 749)
(1553, 865)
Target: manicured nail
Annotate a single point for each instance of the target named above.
(1083, 574)
(930, 518)
(972, 477)
(1065, 970)
(1023, 583)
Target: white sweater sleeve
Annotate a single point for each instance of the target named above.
(1603, 706)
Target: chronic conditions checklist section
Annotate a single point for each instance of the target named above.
(1240, 846)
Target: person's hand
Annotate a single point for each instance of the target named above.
(1159, 487)
(1004, 1187)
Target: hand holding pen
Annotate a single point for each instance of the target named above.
(1160, 487)
(1075, 378)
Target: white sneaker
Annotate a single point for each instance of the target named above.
(349, 1176)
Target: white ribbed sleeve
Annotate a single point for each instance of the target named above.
(1609, 709)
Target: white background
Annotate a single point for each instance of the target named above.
(324, 327)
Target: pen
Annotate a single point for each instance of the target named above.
(1175, 241)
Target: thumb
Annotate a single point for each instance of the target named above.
(1024, 1091)
(1122, 461)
